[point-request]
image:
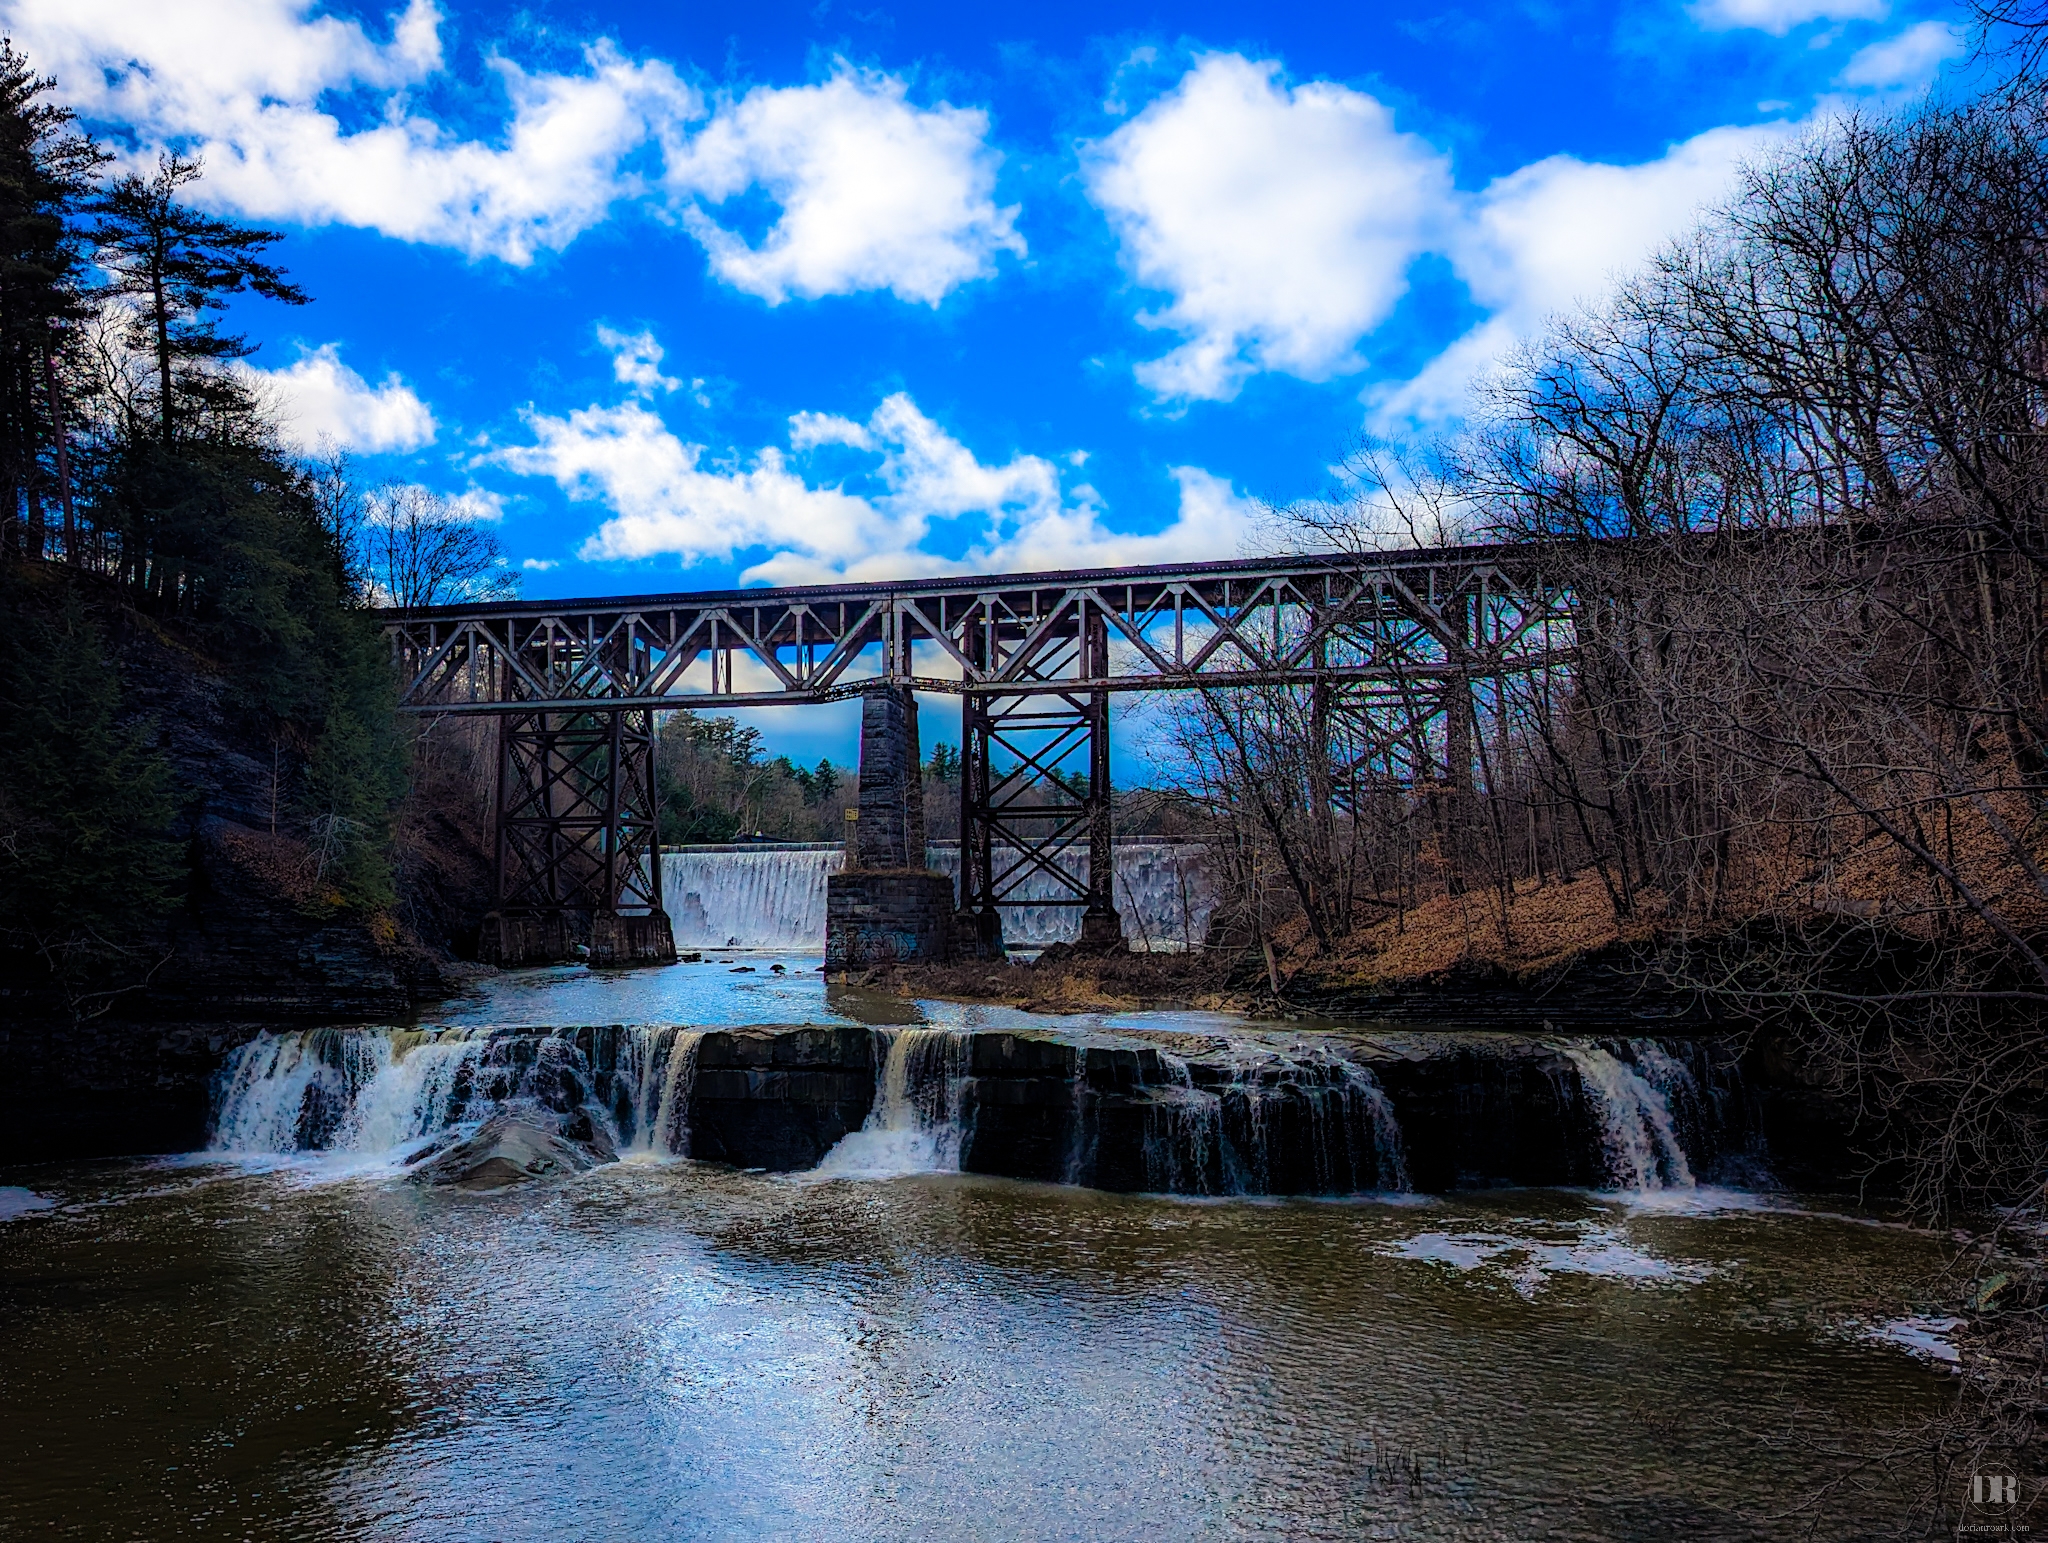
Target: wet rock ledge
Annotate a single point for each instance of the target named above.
(1273, 1113)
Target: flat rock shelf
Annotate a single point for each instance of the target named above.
(1249, 1113)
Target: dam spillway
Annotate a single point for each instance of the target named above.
(771, 895)
(1221, 1114)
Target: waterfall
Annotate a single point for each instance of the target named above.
(1183, 1134)
(1317, 1124)
(658, 1066)
(1265, 1122)
(1252, 1114)
(914, 1125)
(1164, 893)
(767, 897)
(416, 1091)
(1639, 1139)
(1162, 890)
(774, 896)
(1389, 1162)
(379, 1090)
(292, 1092)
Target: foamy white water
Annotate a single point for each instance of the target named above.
(281, 1089)
(771, 898)
(1637, 1134)
(914, 1125)
(17, 1201)
(663, 1070)
(774, 897)
(1529, 1263)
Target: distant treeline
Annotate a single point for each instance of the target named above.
(717, 782)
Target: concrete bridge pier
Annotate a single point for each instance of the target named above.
(886, 906)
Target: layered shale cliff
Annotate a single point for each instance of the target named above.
(113, 1048)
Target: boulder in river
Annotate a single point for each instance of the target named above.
(516, 1144)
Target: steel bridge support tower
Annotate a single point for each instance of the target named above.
(579, 865)
(1035, 817)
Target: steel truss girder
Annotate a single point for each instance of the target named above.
(1034, 789)
(576, 827)
(1415, 615)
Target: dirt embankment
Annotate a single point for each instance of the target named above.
(1553, 954)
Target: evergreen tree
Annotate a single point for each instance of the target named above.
(246, 548)
(174, 266)
(45, 171)
(84, 801)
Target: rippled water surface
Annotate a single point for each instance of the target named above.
(208, 1349)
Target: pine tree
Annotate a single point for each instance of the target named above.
(84, 800)
(174, 266)
(46, 169)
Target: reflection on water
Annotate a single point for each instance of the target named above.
(710, 992)
(737, 986)
(311, 1347)
(663, 1350)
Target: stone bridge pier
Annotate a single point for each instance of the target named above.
(886, 905)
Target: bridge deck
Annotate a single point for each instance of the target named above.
(1412, 615)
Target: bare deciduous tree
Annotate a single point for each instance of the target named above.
(419, 549)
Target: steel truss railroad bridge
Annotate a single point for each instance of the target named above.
(1389, 642)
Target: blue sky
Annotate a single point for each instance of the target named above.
(684, 296)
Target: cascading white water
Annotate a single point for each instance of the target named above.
(378, 1090)
(412, 1094)
(1184, 1134)
(338, 1090)
(914, 1125)
(1390, 1161)
(659, 1064)
(774, 896)
(1163, 893)
(1322, 1119)
(1638, 1136)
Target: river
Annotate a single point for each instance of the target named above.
(304, 1345)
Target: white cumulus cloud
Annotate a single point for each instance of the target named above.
(321, 401)
(479, 505)
(874, 192)
(667, 497)
(246, 84)
(1779, 17)
(636, 360)
(1553, 234)
(1908, 60)
(927, 473)
(1213, 522)
(1279, 221)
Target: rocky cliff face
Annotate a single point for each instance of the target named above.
(122, 1061)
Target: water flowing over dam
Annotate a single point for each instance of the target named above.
(772, 895)
(764, 1266)
(1221, 1114)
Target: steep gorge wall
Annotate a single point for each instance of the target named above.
(122, 1059)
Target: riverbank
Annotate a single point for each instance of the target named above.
(1552, 954)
